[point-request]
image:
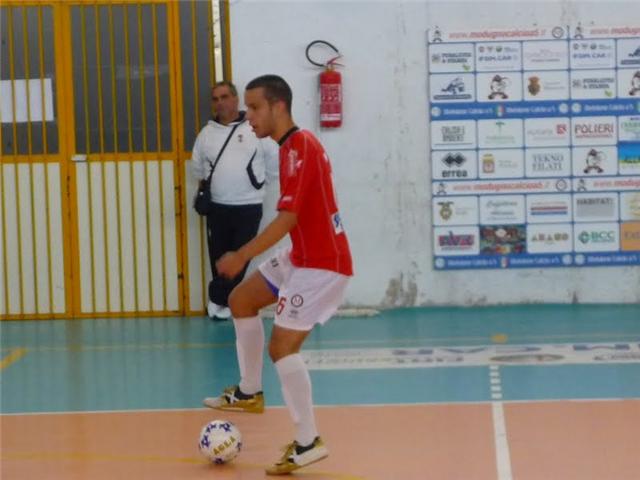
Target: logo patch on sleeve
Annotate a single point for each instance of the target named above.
(337, 223)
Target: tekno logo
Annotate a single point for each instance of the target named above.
(548, 162)
(594, 160)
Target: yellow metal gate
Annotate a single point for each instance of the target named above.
(101, 102)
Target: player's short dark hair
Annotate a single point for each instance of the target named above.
(275, 89)
(225, 83)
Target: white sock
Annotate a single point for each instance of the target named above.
(296, 390)
(250, 347)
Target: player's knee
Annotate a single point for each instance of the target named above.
(237, 302)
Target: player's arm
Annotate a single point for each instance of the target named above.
(231, 263)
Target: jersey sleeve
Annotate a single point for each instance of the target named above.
(299, 180)
(198, 159)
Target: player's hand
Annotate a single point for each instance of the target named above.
(230, 264)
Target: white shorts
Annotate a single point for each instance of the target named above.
(306, 296)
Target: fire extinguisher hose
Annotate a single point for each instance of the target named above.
(330, 62)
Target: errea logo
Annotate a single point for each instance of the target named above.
(337, 223)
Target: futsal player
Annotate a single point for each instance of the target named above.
(308, 281)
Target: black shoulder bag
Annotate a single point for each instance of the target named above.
(202, 202)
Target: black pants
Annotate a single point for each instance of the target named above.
(228, 228)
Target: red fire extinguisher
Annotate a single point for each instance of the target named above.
(330, 89)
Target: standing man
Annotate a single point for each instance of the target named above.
(228, 145)
(308, 281)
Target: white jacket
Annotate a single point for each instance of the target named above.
(244, 157)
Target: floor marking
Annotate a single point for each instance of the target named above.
(13, 357)
(99, 457)
(138, 411)
(503, 457)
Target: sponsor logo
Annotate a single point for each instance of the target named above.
(453, 160)
(594, 130)
(488, 163)
(548, 162)
(630, 236)
(629, 157)
(631, 205)
(453, 134)
(592, 54)
(545, 209)
(500, 134)
(297, 300)
(451, 241)
(498, 88)
(452, 89)
(597, 236)
(448, 135)
(445, 210)
(594, 160)
(631, 58)
(502, 239)
(543, 133)
(603, 84)
(590, 207)
(549, 238)
(634, 91)
(545, 56)
(629, 128)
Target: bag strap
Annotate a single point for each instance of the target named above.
(213, 165)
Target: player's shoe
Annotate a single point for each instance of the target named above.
(232, 399)
(296, 456)
(213, 309)
(223, 314)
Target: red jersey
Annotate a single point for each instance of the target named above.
(306, 189)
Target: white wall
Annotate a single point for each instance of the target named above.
(380, 156)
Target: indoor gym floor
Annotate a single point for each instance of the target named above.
(535, 392)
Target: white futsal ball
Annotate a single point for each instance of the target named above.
(220, 441)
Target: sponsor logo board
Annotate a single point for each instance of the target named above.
(590, 207)
(629, 158)
(453, 134)
(457, 57)
(503, 163)
(455, 211)
(630, 236)
(592, 53)
(546, 86)
(499, 87)
(629, 83)
(629, 129)
(547, 132)
(455, 164)
(596, 237)
(456, 240)
(594, 161)
(549, 208)
(593, 84)
(496, 56)
(500, 133)
(630, 206)
(502, 209)
(554, 238)
(547, 55)
(503, 239)
(452, 88)
(628, 53)
(548, 162)
(594, 130)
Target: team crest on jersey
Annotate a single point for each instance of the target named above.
(337, 223)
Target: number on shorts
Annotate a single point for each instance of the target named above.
(281, 304)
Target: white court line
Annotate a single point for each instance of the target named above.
(501, 441)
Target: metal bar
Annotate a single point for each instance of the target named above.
(225, 29)
(194, 54)
(46, 166)
(154, 20)
(212, 61)
(15, 150)
(115, 149)
(96, 13)
(177, 144)
(144, 149)
(27, 74)
(131, 186)
(85, 84)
